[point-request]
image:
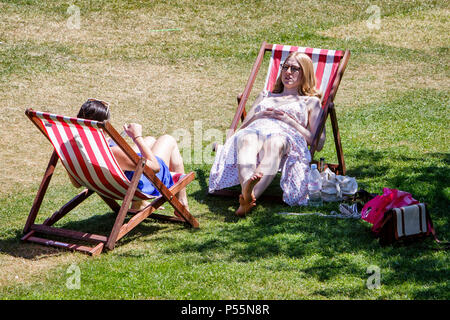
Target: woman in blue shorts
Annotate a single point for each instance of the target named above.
(162, 154)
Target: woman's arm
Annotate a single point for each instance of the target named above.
(314, 116)
(134, 131)
(283, 116)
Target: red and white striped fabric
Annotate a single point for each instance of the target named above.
(325, 63)
(85, 153)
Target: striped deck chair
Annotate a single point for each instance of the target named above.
(329, 67)
(82, 147)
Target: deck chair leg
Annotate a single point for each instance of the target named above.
(112, 239)
(69, 206)
(337, 140)
(41, 192)
(176, 204)
(150, 209)
(56, 216)
(181, 210)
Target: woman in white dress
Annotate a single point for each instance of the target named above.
(274, 135)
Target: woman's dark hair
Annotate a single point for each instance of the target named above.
(94, 110)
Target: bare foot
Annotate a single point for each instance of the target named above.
(245, 207)
(247, 199)
(247, 190)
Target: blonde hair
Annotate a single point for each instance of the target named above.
(307, 86)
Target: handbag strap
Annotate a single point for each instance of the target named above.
(433, 233)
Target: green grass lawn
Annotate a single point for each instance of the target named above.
(392, 108)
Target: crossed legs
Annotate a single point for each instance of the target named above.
(255, 179)
(166, 148)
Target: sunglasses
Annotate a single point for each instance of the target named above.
(286, 67)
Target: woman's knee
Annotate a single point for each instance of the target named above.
(276, 144)
(170, 144)
(168, 139)
(150, 141)
(247, 139)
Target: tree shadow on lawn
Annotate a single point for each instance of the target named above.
(338, 247)
(426, 183)
(265, 234)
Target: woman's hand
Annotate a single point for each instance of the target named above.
(272, 113)
(267, 113)
(286, 118)
(133, 130)
(280, 115)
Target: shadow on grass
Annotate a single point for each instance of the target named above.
(336, 248)
(266, 235)
(426, 183)
(100, 224)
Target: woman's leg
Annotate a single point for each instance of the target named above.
(150, 141)
(271, 154)
(248, 146)
(166, 148)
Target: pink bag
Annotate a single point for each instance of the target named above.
(373, 211)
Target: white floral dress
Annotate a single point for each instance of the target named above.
(294, 164)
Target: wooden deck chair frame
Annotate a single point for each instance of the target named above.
(327, 106)
(119, 229)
